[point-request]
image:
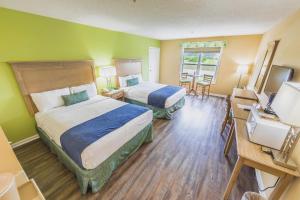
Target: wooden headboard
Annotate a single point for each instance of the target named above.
(125, 67)
(38, 76)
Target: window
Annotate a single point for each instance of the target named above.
(201, 61)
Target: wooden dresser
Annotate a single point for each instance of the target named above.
(28, 190)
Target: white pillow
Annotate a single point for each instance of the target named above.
(50, 99)
(123, 80)
(90, 88)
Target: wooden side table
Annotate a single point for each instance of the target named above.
(115, 94)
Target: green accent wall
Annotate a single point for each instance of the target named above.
(28, 37)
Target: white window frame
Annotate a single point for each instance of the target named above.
(198, 67)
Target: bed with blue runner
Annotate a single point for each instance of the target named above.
(76, 139)
(159, 97)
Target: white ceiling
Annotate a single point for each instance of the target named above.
(166, 19)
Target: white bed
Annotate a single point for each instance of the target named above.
(58, 120)
(47, 86)
(129, 73)
(141, 92)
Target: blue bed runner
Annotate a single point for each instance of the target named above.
(76, 139)
(158, 97)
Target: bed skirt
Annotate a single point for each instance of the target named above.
(160, 112)
(96, 178)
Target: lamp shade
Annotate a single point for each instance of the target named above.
(286, 103)
(108, 71)
(242, 69)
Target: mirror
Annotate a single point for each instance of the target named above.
(266, 64)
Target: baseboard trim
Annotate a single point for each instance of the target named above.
(211, 94)
(218, 95)
(25, 141)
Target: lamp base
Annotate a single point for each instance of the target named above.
(279, 160)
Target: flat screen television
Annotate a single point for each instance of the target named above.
(277, 75)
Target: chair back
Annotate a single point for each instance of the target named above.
(184, 75)
(228, 102)
(207, 78)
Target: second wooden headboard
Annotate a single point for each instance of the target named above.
(126, 67)
(39, 76)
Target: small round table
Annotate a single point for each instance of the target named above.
(194, 76)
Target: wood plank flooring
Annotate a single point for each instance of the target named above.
(185, 161)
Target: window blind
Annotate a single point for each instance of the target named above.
(203, 50)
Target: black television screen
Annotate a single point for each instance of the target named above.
(277, 75)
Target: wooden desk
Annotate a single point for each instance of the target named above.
(238, 112)
(244, 94)
(250, 154)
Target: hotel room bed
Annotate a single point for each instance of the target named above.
(92, 136)
(100, 158)
(162, 99)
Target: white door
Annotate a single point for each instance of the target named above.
(154, 59)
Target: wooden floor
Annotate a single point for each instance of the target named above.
(185, 161)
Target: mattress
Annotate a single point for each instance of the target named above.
(141, 92)
(56, 121)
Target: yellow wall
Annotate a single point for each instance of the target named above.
(239, 50)
(287, 54)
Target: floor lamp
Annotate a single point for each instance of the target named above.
(241, 70)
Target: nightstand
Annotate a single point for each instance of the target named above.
(115, 94)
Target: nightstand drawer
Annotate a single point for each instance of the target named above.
(117, 95)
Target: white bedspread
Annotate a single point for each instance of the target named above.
(141, 92)
(56, 121)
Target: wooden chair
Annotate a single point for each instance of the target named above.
(185, 81)
(227, 119)
(204, 83)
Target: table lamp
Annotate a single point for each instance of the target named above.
(286, 105)
(241, 70)
(108, 72)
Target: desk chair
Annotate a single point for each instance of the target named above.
(185, 81)
(204, 83)
(227, 119)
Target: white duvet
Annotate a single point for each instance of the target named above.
(56, 121)
(141, 92)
